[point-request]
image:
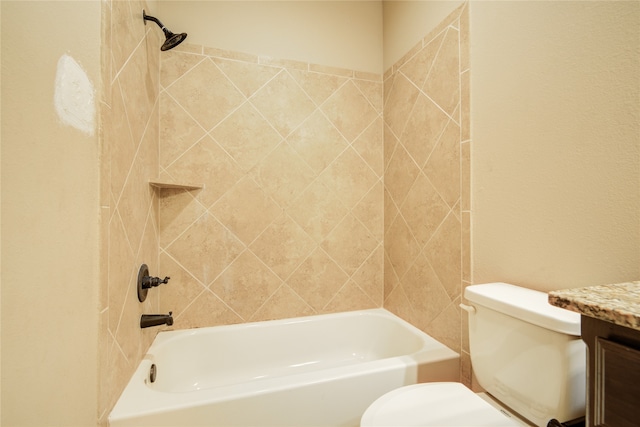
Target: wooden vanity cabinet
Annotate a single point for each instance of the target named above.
(613, 374)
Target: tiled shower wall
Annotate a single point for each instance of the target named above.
(312, 199)
(289, 219)
(426, 200)
(129, 138)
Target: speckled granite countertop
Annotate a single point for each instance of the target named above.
(619, 303)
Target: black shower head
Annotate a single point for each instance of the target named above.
(172, 40)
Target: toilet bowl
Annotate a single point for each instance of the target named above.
(437, 404)
(526, 354)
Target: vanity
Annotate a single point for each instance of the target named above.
(610, 325)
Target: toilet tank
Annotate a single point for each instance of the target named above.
(527, 353)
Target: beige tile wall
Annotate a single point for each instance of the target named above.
(426, 200)
(129, 137)
(289, 219)
(312, 199)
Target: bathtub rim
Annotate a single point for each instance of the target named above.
(167, 335)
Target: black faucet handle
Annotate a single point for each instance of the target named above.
(146, 282)
(152, 282)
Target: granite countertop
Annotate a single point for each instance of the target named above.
(618, 303)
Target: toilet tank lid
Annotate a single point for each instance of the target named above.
(526, 304)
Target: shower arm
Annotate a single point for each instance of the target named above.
(156, 20)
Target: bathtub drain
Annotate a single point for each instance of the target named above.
(152, 373)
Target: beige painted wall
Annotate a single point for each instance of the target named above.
(346, 34)
(406, 22)
(49, 220)
(556, 128)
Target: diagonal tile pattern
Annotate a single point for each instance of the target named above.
(209, 101)
(283, 174)
(290, 218)
(246, 136)
(317, 141)
(427, 208)
(283, 103)
(324, 189)
(246, 196)
(349, 110)
(130, 235)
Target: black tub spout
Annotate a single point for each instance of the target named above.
(148, 320)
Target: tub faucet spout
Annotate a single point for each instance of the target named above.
(148, 320)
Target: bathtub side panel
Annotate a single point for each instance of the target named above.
(327, 402)
(338, 400)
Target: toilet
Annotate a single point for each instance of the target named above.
(526, 354)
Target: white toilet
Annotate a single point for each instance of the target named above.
(525, 353)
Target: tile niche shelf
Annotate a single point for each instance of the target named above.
(165, 184)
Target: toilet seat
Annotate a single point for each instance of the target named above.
(434, 404)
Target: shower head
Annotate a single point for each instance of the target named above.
(172, 40)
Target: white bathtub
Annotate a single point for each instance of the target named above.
(310, 371)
